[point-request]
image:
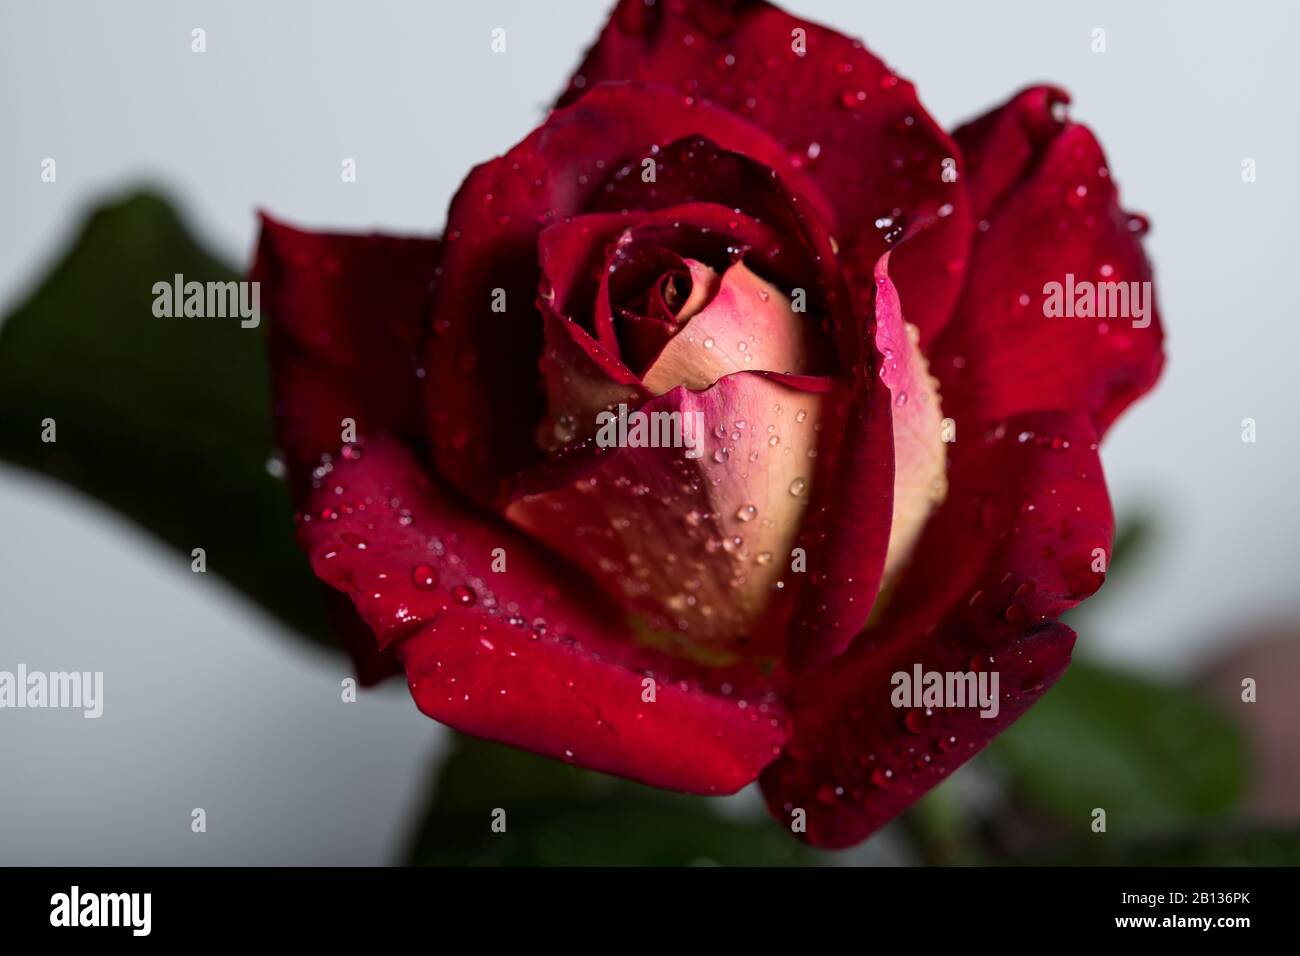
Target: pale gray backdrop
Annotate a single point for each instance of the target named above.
(209, 704)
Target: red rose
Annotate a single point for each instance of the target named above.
(869, 346)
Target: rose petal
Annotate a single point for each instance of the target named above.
(883, 481)
(581, 380)
(371, 663)
(693, 546)
(345, 318)
(1006, 144)
(697, 169)
(1011, 549)
(572, 256)
(523, 655)
(920, 480)
(1059, 222)
(846, 536)
(845, 119)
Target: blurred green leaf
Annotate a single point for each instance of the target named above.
(939, 827)
(1154, 756)
(560, 815)
(1134, 534)
(1229, 847)
(168, 421)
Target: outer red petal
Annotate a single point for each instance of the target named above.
(526, 656)
(345, 329)
(1007, 144)
(843, 116)
(483, 395)
(1011, 549)
(1053, 210)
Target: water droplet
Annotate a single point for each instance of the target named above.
(918, 720)
(424, 577)
(797, 486)
(464, 596)
(852, 99)
(746, 513)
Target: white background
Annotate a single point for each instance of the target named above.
(210, 705)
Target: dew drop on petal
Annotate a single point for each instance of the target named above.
(424, 577)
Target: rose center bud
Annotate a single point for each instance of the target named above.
(740, 323)
(695, 540)
(646, 324)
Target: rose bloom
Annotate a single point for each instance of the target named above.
(749, 221)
